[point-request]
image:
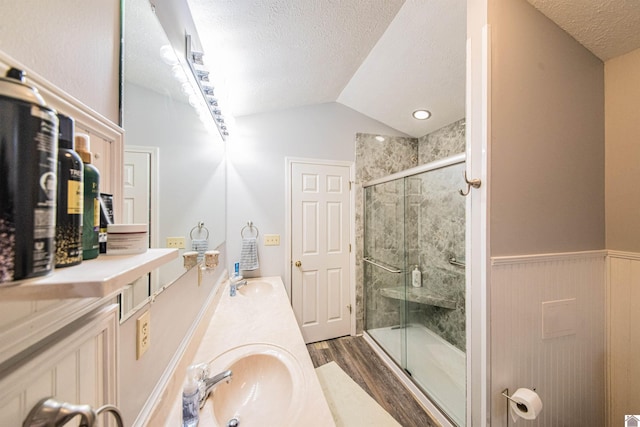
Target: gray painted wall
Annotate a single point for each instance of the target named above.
(547, 142)
(75, 45)
(622, 130)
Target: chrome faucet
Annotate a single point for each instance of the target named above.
(235, 285)
(207, 384)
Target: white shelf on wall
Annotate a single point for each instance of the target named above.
(101, 277)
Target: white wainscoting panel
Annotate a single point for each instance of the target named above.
(623, 330)
(80, 367)
(567, 371)
(24, 323)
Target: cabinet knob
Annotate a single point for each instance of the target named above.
(298, 264)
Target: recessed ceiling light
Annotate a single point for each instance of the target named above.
(380, 138)
(421, 114)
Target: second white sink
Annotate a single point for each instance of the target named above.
(256, 288)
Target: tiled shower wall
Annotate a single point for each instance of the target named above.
(442, 143)
(436, 220)
(376, 159)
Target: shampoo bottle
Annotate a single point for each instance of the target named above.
(69, 199)
(416, 278)
(191, 398)
(91, 212)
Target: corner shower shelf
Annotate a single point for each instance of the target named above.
(419, 295)
(101, 277)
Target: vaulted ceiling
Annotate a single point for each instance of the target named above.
(383, 58)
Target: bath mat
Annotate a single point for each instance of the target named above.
(350, 405)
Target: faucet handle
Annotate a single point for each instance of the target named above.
(201, 370)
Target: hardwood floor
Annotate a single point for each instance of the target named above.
(358, 360)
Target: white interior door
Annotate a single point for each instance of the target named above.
(137, 187)
(320, 249)
(138, 206)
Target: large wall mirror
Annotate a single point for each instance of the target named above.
(175, 177)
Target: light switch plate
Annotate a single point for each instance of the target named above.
(272, 240)
(176, 242)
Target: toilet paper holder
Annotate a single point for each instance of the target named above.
(520, 406)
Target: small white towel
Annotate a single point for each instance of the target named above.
(249, 254)
(200, 246)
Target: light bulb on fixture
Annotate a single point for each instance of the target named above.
(421, 114)
(202, 80)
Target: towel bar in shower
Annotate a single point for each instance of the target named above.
(378, 264)
(453, 261)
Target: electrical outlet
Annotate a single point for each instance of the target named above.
(176, 242)
(272, 240)
(143, 334)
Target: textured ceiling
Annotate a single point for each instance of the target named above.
(418, 63)
(278, 54)
(608, 28)
(383, 58)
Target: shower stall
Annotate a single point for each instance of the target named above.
(414, 278)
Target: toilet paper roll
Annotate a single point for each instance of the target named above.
(525, 404)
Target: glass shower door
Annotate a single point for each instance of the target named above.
(435, 304)
(383, 266)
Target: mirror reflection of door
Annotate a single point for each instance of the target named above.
(138, 208)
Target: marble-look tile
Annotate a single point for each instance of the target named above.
(417, 221)
(444, 142)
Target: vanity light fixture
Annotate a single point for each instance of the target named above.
(201, 76)
(421, 114)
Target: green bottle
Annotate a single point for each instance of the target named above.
(70, 193)
(91, 213)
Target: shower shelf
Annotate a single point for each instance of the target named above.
(419, 295)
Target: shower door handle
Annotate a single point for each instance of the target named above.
(298, 264)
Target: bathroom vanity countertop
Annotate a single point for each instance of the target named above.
(265, 319)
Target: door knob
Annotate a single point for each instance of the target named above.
(298, 264)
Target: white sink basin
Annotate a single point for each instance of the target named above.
(263, 389)
(256, 288)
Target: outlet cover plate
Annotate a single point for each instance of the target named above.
(143, 334)
(272, 240)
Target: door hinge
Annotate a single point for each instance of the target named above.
(349, 307)
(350, 182)
(349, 247)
